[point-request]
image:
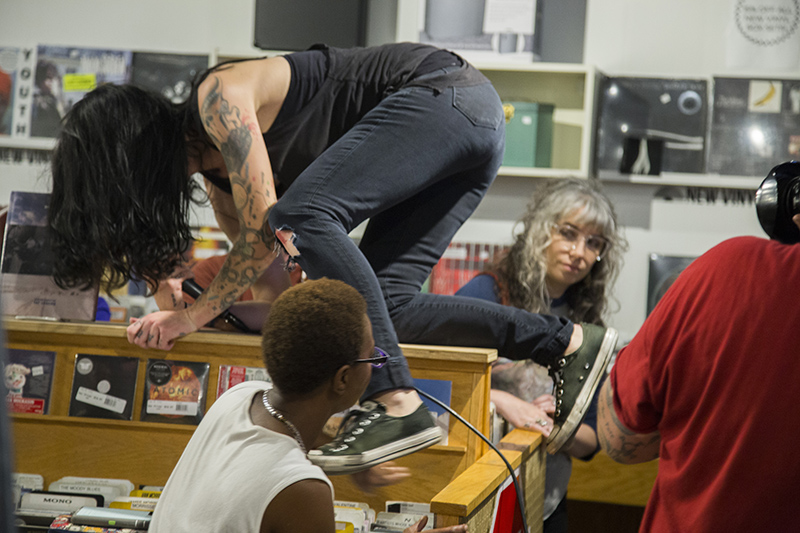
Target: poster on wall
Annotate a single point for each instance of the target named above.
(170, 75)
(754, 124)
(64, 75)
(764, 34)
(16, 75)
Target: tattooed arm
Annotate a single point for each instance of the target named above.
(619, 442)
(236, 104)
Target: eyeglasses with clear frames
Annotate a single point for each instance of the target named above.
(378, 359)
(595, 244)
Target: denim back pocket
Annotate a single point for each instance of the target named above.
(480, 104)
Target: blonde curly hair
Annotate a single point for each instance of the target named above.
(521, 272)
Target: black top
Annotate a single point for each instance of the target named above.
(331, 89)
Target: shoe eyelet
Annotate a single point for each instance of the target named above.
(586, 366)
(341, 448)
(374, 416)
(559, 393)
(557, 413)
(365, 423)
(580, 378)
(562, 362)
(558, 402)
(349, 439)
(358, 431)
(560, 383)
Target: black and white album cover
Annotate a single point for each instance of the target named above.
(103, 386)
(651, 125)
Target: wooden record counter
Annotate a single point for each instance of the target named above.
(56, 445)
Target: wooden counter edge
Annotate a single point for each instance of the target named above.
(118, 331)
(465, 493)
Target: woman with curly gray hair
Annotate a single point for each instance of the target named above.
(563, 261)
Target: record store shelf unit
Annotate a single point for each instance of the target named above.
(55, 444)
(571, 89)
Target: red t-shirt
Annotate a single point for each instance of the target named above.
(716, 370)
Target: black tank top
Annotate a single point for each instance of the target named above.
(331, 89)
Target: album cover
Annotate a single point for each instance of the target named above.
(755, 124)
(664, 270)
(174, 391)
(29, 380)
(64, 75)
(441, 390)
(103, 386)
(230, 375)
(28, 288)
(170, 75)
(651, 125)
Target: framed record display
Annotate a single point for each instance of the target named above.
(103, 386)
(651, 125)
(754, 125)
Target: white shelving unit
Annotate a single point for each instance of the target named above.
(571, 89)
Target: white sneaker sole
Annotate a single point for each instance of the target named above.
(560, 435)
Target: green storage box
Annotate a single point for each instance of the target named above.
(529, 134)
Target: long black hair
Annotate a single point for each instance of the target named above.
(119, 207)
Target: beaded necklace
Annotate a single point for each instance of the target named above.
(272, 411)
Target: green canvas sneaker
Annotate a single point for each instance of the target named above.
(576, 377)
(368, 436)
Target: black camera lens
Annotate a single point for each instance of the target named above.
(778, 200)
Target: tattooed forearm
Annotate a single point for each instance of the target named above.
(619, 442)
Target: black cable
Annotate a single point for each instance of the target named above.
(520, 499)
(193, 289)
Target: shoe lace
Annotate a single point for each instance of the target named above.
(353, 422)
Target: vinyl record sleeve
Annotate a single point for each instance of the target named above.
(671, 111)
(29, 380)
(103, 386)
(174, 391)
(664, 270)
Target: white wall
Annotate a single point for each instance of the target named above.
(624, 37)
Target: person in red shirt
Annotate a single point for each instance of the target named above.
(709, 384)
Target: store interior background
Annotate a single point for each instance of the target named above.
(660, 38)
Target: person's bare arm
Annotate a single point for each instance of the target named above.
(619, 442)
(229, 115)
(232, 104)
(305, 506)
